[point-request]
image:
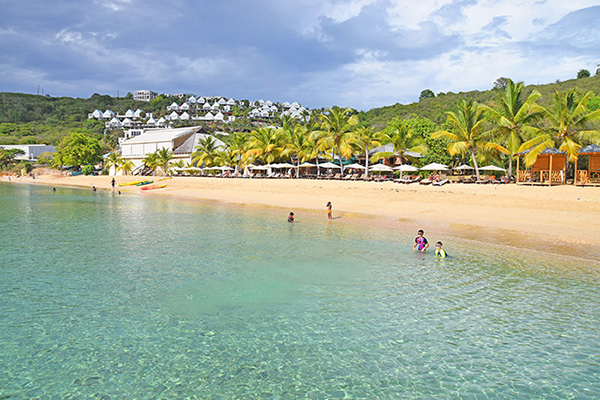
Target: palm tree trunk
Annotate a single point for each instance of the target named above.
(341, 165)
(367, 161)
(475, 164)
(318, 168)
(510, 162)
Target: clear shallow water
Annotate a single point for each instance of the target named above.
(117, 297)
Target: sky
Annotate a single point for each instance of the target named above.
(350, 53)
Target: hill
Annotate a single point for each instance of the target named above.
(27, 118)
(434, 108)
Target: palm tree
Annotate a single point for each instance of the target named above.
(403, 139)
(236, 144)
(206, 152)
(126, 167)
(365, 138)
(263, 144)
(568, 120)
(114, 159)
(340, 126)
(296, 144)
(151, 162)
(163, 158)
(514, 117)
(469, 134)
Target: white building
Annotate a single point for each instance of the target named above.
(144, 95)
(32, 151)
(150, 140)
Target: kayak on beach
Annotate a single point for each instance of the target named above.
(144, 183)
(130, 183)
(165, 178)
(154, 187)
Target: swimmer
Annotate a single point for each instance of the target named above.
(291, 217)
(421, 243)
(93, 188)
(54, 189)
(329, 216)
(439, 251)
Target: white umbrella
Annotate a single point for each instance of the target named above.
(258, 167)
(463, 167)
(226, 168)
(307, 164)
(192, 169)
(434, 167)
(491, 168)
(355, 166)
(380, 168)
(329, 165)
(405, 168)
(282, 165)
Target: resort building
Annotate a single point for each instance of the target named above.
(32, 151)
(181, 141)
(144, 95)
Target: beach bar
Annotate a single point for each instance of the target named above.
(591, 176)
(550, 167)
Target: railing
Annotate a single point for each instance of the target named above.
(544, 176)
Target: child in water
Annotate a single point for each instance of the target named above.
(291, 217)
(439, 251)
(329, 216)
(421, 243)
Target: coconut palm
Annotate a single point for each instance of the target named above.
(365, 138)
(469, 134)
(163, 158)
(114, 159)
(236, 144)
(296, 143)
(402, 138)
(568, 130)
(263, 144)
(151, 162)
(206, 152)
(126, 167)
(340, 126)
(514, 117)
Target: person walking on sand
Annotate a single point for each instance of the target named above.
(329, 216)
(112, 183)
(421, 243)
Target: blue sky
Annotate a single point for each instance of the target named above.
(357, 53)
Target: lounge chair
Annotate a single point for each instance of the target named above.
(443, 179)
(484, 179)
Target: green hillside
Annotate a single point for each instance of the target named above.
(26, 118)
(434, 108)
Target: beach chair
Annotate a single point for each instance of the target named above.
(443, 179)
(484, 180)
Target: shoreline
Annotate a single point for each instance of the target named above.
(563, 220)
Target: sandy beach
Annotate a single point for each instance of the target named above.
(561, 219)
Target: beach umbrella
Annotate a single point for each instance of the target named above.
(355, 166)
(329, 165)
(226, 168)
(307, 164)
(380, 168)
(405, 168)
(258, 167)
(434, 167)
(491, 168)
(463, 167)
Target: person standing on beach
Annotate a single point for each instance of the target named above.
(421, 243)
(112, 183)
(329, 216)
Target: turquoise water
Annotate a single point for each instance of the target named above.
(116, 297)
